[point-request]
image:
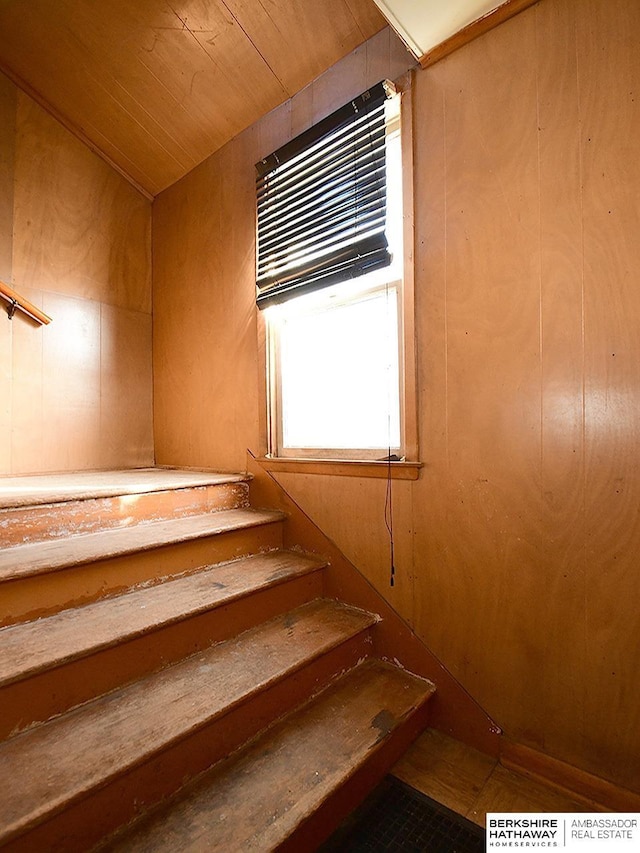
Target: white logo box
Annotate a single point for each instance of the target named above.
(579, 832)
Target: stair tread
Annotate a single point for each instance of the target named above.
(58, 762)
(35, 489)
(31, 647)
(38, 557)
(256, 799)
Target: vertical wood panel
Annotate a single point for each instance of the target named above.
(562, 642)
(27, 422)
(239, 197)
(71, 383)
(202, 392)
(492, 487)
(433, 603)
(7, 154)
(126, 388)
(8, 97)
(206, 395)
(182, 302)
(609, 68)
(5, 392)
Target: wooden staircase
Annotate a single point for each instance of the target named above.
(171, 678)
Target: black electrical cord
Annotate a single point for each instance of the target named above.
(388, 520)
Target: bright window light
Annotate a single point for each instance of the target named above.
(340, 377)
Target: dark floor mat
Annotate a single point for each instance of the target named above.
(396, 817)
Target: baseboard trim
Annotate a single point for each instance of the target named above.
(601, 793)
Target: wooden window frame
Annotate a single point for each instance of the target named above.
(339, 464)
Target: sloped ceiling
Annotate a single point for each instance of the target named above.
(157, 85)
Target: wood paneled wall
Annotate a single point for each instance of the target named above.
(516, 549)
(75, 240)
(528, 247)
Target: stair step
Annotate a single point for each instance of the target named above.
(290, 788)
(43, 577)
(31, 647)
(19, 525)
(60, 655)
(74, 550)
(161, 729)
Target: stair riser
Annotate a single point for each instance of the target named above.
(83, 824)
(41, 595)
(349, 796)
(52, 521)
(44, 695)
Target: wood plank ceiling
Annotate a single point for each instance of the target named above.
(156, 86)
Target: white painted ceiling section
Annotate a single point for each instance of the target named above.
(424, 24)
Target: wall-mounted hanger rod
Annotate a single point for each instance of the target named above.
(19, 303)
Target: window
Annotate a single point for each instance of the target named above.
(330, 276)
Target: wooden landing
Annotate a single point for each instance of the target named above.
(289, 789)
(52, 767)
(82, 485)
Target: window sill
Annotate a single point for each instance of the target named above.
(342, 467)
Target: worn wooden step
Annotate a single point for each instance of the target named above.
(33, 523)
(67, 782)
(41, 557)
(44, 577)
(293, 786)
(52, 664)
